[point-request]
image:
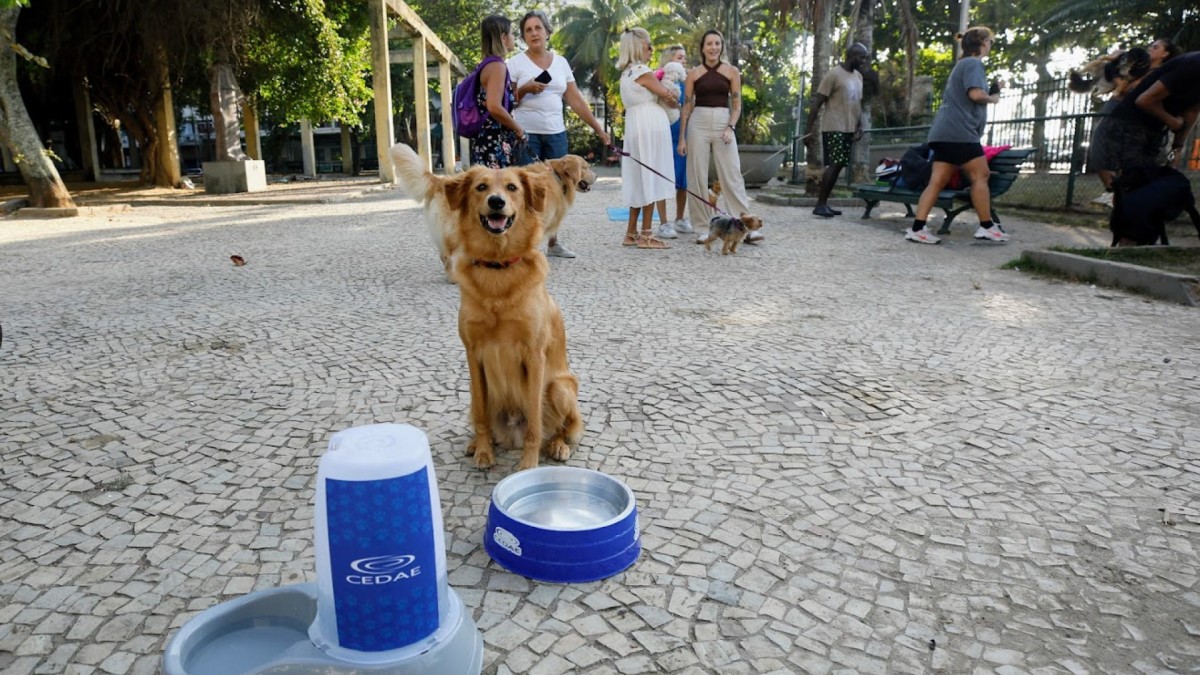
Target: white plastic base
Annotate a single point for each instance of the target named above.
(266, 633)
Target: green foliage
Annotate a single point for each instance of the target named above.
(770, 77)
(280, 70)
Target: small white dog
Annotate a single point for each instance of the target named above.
(673, 75)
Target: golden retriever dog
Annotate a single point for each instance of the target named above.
(572, 173)
(523, 393)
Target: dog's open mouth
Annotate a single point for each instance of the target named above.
(584, 186)
(496, 223)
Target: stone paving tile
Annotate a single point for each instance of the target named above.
(851, 455)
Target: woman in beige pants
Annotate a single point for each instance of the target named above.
(710, 114)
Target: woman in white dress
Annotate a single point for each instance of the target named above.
(647, 139)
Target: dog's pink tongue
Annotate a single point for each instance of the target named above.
(497, 222)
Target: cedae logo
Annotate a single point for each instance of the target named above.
(507, 540)
(383, 569)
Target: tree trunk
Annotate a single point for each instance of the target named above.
(46, 188)
(165, 153)
(864, 33)
(1040, 99)
(822, 47)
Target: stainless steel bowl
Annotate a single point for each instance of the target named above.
(564, 498)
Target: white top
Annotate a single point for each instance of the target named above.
(541, 113)
(648, 139)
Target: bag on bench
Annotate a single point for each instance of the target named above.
(915, 168)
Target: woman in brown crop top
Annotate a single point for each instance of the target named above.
(712, 106)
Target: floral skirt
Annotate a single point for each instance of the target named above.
(495, 146)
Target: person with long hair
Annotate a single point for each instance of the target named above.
(1100, 152)
(954, 138)
(498, 141)
(647, 140)
(681, 225)
(1164, 100)
(711, 110)
(543, 81)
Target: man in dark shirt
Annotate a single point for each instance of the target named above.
(1167, 97)
(1173, 99)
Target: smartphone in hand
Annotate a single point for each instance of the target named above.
(544, 78)
(995, 88)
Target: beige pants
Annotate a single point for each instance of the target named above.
(704, 129)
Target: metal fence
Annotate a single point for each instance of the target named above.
(1056, 177)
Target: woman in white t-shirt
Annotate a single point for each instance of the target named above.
(543, 81)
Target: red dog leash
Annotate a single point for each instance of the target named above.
(672, 180)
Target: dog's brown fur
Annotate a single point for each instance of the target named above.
(731, 231)
(522, 390)
(573, 173)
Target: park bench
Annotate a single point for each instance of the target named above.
(1004, 167)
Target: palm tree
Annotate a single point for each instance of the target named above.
(588, 35)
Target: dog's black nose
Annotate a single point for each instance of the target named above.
(496, 202)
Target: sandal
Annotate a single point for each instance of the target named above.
(647, 240)
(630, 240)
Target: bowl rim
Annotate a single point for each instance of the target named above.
(630, 506)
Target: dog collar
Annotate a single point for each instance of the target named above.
(496, 264)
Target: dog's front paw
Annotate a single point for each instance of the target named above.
(558, 450)
(484, 456)
(528, 461)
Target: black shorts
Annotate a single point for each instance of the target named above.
(955, 153)
(837, 146)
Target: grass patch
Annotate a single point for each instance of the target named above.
(117, 485)
(1031, 266)
(1165, 258)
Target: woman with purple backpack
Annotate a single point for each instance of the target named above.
(498, 143)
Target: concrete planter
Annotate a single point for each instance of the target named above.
(222, 178)
(760, 163)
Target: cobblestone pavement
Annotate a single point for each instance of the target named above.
(851, 454)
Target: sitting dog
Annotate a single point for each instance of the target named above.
(523, 394)
(1116, 71)
(731, 231)
(1145, 200)
(714, 192)
(672, 75)
(573, 174)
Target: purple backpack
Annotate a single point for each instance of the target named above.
(468, 116)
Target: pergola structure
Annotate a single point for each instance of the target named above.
(425, 44)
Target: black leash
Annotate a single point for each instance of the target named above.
(672, 180)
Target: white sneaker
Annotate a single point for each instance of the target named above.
(560, 251)
(684, 226)
(665, 231)
(1105, 199)
(922, 236)
(993, 233)
(702, 238)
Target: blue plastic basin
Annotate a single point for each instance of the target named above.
(563, 524)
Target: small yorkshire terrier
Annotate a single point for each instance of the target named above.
(731, 231)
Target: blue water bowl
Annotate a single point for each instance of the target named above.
(562, 524)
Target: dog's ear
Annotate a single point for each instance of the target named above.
(535, 189)
(459, 187)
